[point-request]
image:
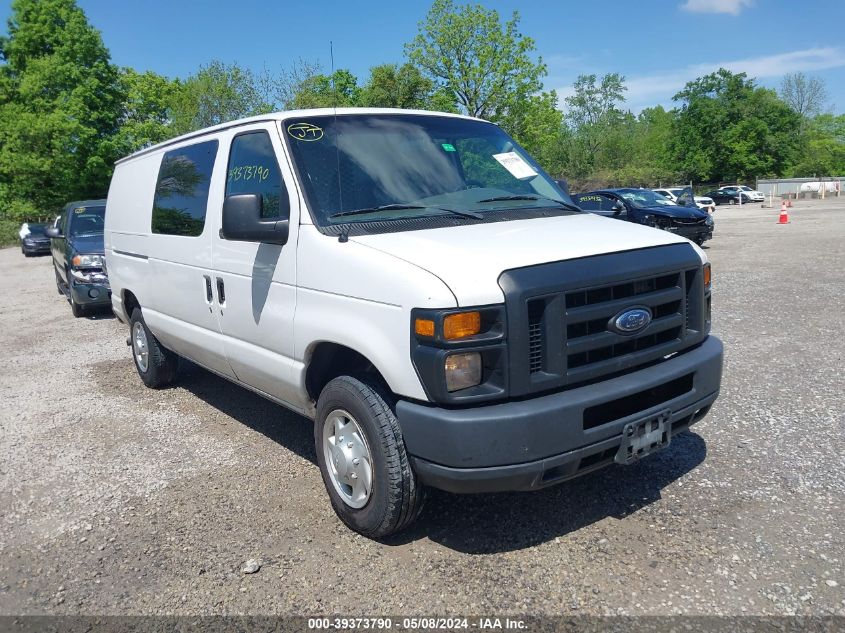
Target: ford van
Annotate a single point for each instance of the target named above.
(418, 286)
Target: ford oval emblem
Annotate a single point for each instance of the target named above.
(630, 321)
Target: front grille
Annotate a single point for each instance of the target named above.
(559, 315)
(588, 312)
(689, 221)
(535, 336)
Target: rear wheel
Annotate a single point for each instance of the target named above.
(156, 364)
(362, 458)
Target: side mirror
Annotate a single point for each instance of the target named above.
(54, 232)
(242, 221)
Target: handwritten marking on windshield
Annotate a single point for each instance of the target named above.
(305, 131)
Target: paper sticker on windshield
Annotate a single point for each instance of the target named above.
(516, 165)
(79, 210)
(305, 131)
(448, 147)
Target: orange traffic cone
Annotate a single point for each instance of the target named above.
(784, 214)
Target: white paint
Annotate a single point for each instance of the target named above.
(281, 302)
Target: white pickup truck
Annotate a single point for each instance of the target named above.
(420, 288)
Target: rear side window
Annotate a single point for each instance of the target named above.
(181, 197)
(253, 168)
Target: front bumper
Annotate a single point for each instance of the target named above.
(91, 294)
(541, 441)
(36, 248)
(697, 232)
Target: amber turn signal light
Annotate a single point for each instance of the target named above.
(424, 327)
(461, 325)
(706, 275)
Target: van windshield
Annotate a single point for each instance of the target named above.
(380, 167)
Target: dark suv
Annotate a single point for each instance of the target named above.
(643, 206)
(78, 256)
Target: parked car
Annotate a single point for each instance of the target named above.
(78, 256)
(644, 206)
(753, 194)
(673, 193)
(400, 277)
(727, 196)
(33, 239)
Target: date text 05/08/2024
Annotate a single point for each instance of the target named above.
(416, 623)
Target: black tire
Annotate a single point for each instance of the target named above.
(396, 497)
(162, 364)
(75, 309)
(58, 281)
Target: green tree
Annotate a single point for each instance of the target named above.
(487, 65)
(339, 89)
(60, 103)
(145, 118)
(217, 93)
(595, 117)
(728, 129)
(394, 86)
(805, 95)
(823, 153)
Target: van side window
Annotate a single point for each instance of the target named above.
(181, 197)
(253, 168)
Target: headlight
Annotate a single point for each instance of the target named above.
(460, 355)
(462, 370)
(709, 221)
(87, 261)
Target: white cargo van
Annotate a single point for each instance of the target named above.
(420, 288)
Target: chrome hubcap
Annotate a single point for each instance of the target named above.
(347, 457)
(140, 347)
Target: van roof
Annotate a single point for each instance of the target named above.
(280, 116)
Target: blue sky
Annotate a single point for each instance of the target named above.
(657, 45)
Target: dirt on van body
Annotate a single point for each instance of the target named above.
(117, 499)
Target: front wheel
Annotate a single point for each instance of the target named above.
(75, 309)
(156, 364)
(362, 458)
(732, 201)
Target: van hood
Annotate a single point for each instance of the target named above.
(470, 258)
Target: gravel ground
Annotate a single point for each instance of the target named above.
(116, 499)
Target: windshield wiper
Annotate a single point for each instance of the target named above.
(395, 207)
(563, 204)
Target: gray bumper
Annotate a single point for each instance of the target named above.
(543, 440)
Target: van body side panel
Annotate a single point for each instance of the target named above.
(362, 298)
(128, 213)
(259, 281)
(167, 273)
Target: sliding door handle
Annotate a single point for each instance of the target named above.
(209, 295)
(221, 292)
